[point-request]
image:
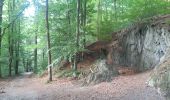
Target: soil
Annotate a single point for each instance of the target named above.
(26, 87)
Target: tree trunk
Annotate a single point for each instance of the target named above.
(77, 38)
(35, 55)
(36, 37)
(115, 8)
(83, 20)
(10, 36)
(23, 63)
(98, 16)
(27, 64)
(17, 50)
(84, 23)
(48, 45)
(10, 55)
(17, 58)
(10, 42)
(43, 54)
(69, 17)
(1, 8)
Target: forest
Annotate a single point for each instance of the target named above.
(86, 42)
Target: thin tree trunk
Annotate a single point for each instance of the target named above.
(23, 62)
(68, 17)
(9, 41)
(115, 8)
(10, 36)
(35, 55)
(84, 22)
(16, 58)
(77, 38)
(27, 64)
(10, 55)
(98, 17)
(48, 45)
(1, 8)
(12, 41)
(17, 49)
(84, 12)
(36, 37)
(78, 24)
(43, 54)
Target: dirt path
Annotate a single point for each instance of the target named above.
(121, 88)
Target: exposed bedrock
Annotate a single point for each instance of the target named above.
(147, 46)
(160, 78)
(143, 47)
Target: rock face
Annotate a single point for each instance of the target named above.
(143, 46)
(147, 46)
(100, 72)
(160, 77)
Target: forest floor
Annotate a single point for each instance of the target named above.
(132, 87)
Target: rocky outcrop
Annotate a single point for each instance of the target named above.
(100, 71)
(147, 46)
(160, 77)
(143, 46)
(140, 47)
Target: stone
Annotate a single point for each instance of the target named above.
(100, 71)
(142, 47)
(146, 47)
(160, 78)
